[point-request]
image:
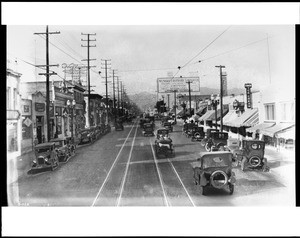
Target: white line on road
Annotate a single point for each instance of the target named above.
(111, 167)
(126, 170)
(159, 175)
(181, 183)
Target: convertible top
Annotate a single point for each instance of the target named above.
(47, 144)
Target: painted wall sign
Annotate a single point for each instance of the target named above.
(40, 107)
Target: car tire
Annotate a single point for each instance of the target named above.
(231, 188)
(243, 163)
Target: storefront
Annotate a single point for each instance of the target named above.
(27, 126)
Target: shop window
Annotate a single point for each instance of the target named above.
(26, 128)
(287, 111)
(270, 111)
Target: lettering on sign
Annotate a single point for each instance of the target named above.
(179, 84)
(248, 87)
(40, 107)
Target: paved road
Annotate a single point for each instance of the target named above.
(121, 169)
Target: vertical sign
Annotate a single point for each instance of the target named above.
(248, 87)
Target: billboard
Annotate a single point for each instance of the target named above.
(169, 84)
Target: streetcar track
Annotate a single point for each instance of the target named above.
(159, 175)
(126, 169)
(107, 176)
(182, 183)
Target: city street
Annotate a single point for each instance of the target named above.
(121, 169)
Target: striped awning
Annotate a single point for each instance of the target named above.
(287, 134)
(259, 127)
(201, 110)
(207, 115)
(230, 116)
(213, 117)
(279, 127)
(247, 119)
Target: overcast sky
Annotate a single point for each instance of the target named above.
(141, 54)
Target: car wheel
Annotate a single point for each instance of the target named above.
(243, 163)
(255, 161)
(207, 147)
(231, 188)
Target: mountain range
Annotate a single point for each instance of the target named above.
(144, 100)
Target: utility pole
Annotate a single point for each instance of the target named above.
(88, 67)
(189, 83)
(121, 98)
(114, 96)
(105, 67)
(175, 105)
(118, 96)
(221, 96)
(168, 101)
(47, 78)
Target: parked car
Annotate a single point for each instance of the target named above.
(207, 135)
(119, 125)
(216, 141)
(62, 149)
(86, 135)
(148, 129)
(168, 126)
(163, 143)
(197, 133)
(45, 156)
(251, 155)
(188, 128)
(214, 169)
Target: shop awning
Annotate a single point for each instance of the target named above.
(201, 110)
(259, 127)
(248, 118)
(279, 127)
(287, 134)
(213, 117)
(207, 115)
(230, 116)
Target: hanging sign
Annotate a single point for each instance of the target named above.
(248, 87)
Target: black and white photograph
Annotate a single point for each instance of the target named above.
(151, 115)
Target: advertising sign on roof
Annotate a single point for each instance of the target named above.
(169, 84)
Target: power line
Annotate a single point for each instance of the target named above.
(206, 47)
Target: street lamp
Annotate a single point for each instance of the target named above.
(214, 102)
(71, 105)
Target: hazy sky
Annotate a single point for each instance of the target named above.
(141, 54)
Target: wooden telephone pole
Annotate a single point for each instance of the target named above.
(47, 78)
(221, 96)
(88, 68)
(105, 67)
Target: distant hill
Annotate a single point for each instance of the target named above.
(144, 100)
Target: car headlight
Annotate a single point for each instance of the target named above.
(34, 161)
(46, 159)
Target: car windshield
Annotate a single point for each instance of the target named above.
(43, 150)
(215, 161)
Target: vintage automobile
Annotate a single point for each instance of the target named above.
(148, 129)
(86, 135)
(62, 149)
(187, 129)
(95, 132)
(207, 135)
(214, 169)
(197, 133)
(119, 125)
(251, 155)
(163, 143)
(142, 121)
(216, 141)
(45, 156)
(168, 126)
